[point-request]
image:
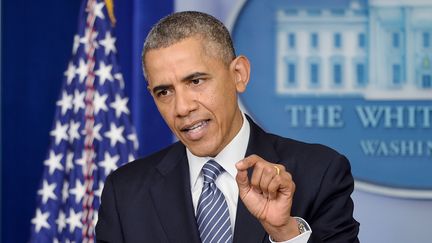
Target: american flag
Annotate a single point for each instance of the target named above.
(92, 134)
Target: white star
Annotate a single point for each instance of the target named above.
(109, 163)
(120, 105)
(69, 161)
(119, 77)
(83, 163)
(95, 132)
(47, 191)
(76, 44)
(99, 102)
(82, 70)
(88, 39)
(109, 43)
(95, 218)
(61, 221)
(97, 10)
(53, 162)
(79, 191)
(98, 192)
(104, 72)
(78, 100)
(65, 191)
(73, 131)
(74, 220)
(65, 102)
(133, 138)
(115, 134)
(59, 132)
(131, 157)
(70, 72)
(40, 220)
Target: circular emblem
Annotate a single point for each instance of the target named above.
(339, 74)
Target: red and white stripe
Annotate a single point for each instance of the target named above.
(89, 151)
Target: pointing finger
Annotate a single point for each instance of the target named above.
(247, 162)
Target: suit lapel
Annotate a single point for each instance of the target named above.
(247, 227)
(172, 198)
(260, 144)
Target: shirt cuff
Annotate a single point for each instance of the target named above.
(301, 238)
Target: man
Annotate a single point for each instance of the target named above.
(261, 187)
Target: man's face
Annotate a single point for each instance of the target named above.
(196, 94)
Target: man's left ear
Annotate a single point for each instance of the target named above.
(240, 67)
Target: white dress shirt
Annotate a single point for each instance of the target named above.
(227, 158)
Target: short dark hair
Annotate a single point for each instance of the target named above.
(181, 25)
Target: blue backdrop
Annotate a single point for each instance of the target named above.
(37, 39)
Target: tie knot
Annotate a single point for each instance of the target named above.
(211, 170)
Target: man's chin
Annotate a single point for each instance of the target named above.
(201, 151)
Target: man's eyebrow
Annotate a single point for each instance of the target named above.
(189, 77)
(193, 76)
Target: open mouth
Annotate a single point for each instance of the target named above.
(195, 127)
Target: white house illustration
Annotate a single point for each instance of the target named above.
(381, 49)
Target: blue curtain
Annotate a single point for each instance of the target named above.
(36, 46)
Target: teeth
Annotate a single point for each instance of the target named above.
(200, 124)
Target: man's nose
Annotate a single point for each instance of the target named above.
(185, 103)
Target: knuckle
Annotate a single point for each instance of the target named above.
(253, 157)
(255, 181)
(279, 179)
(273, 187)
(260, 166)
(288, 175)
(269, 170)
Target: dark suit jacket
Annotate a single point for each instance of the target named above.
(149, 200)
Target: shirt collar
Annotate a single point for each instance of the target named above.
(227, 158)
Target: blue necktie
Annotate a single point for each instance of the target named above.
(213, 217)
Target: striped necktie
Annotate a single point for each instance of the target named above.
(213, 217)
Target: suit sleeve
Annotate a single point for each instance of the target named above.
(332, 218)
(108, 228)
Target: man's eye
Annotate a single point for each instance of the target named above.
(162, 93)
(196, 81)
